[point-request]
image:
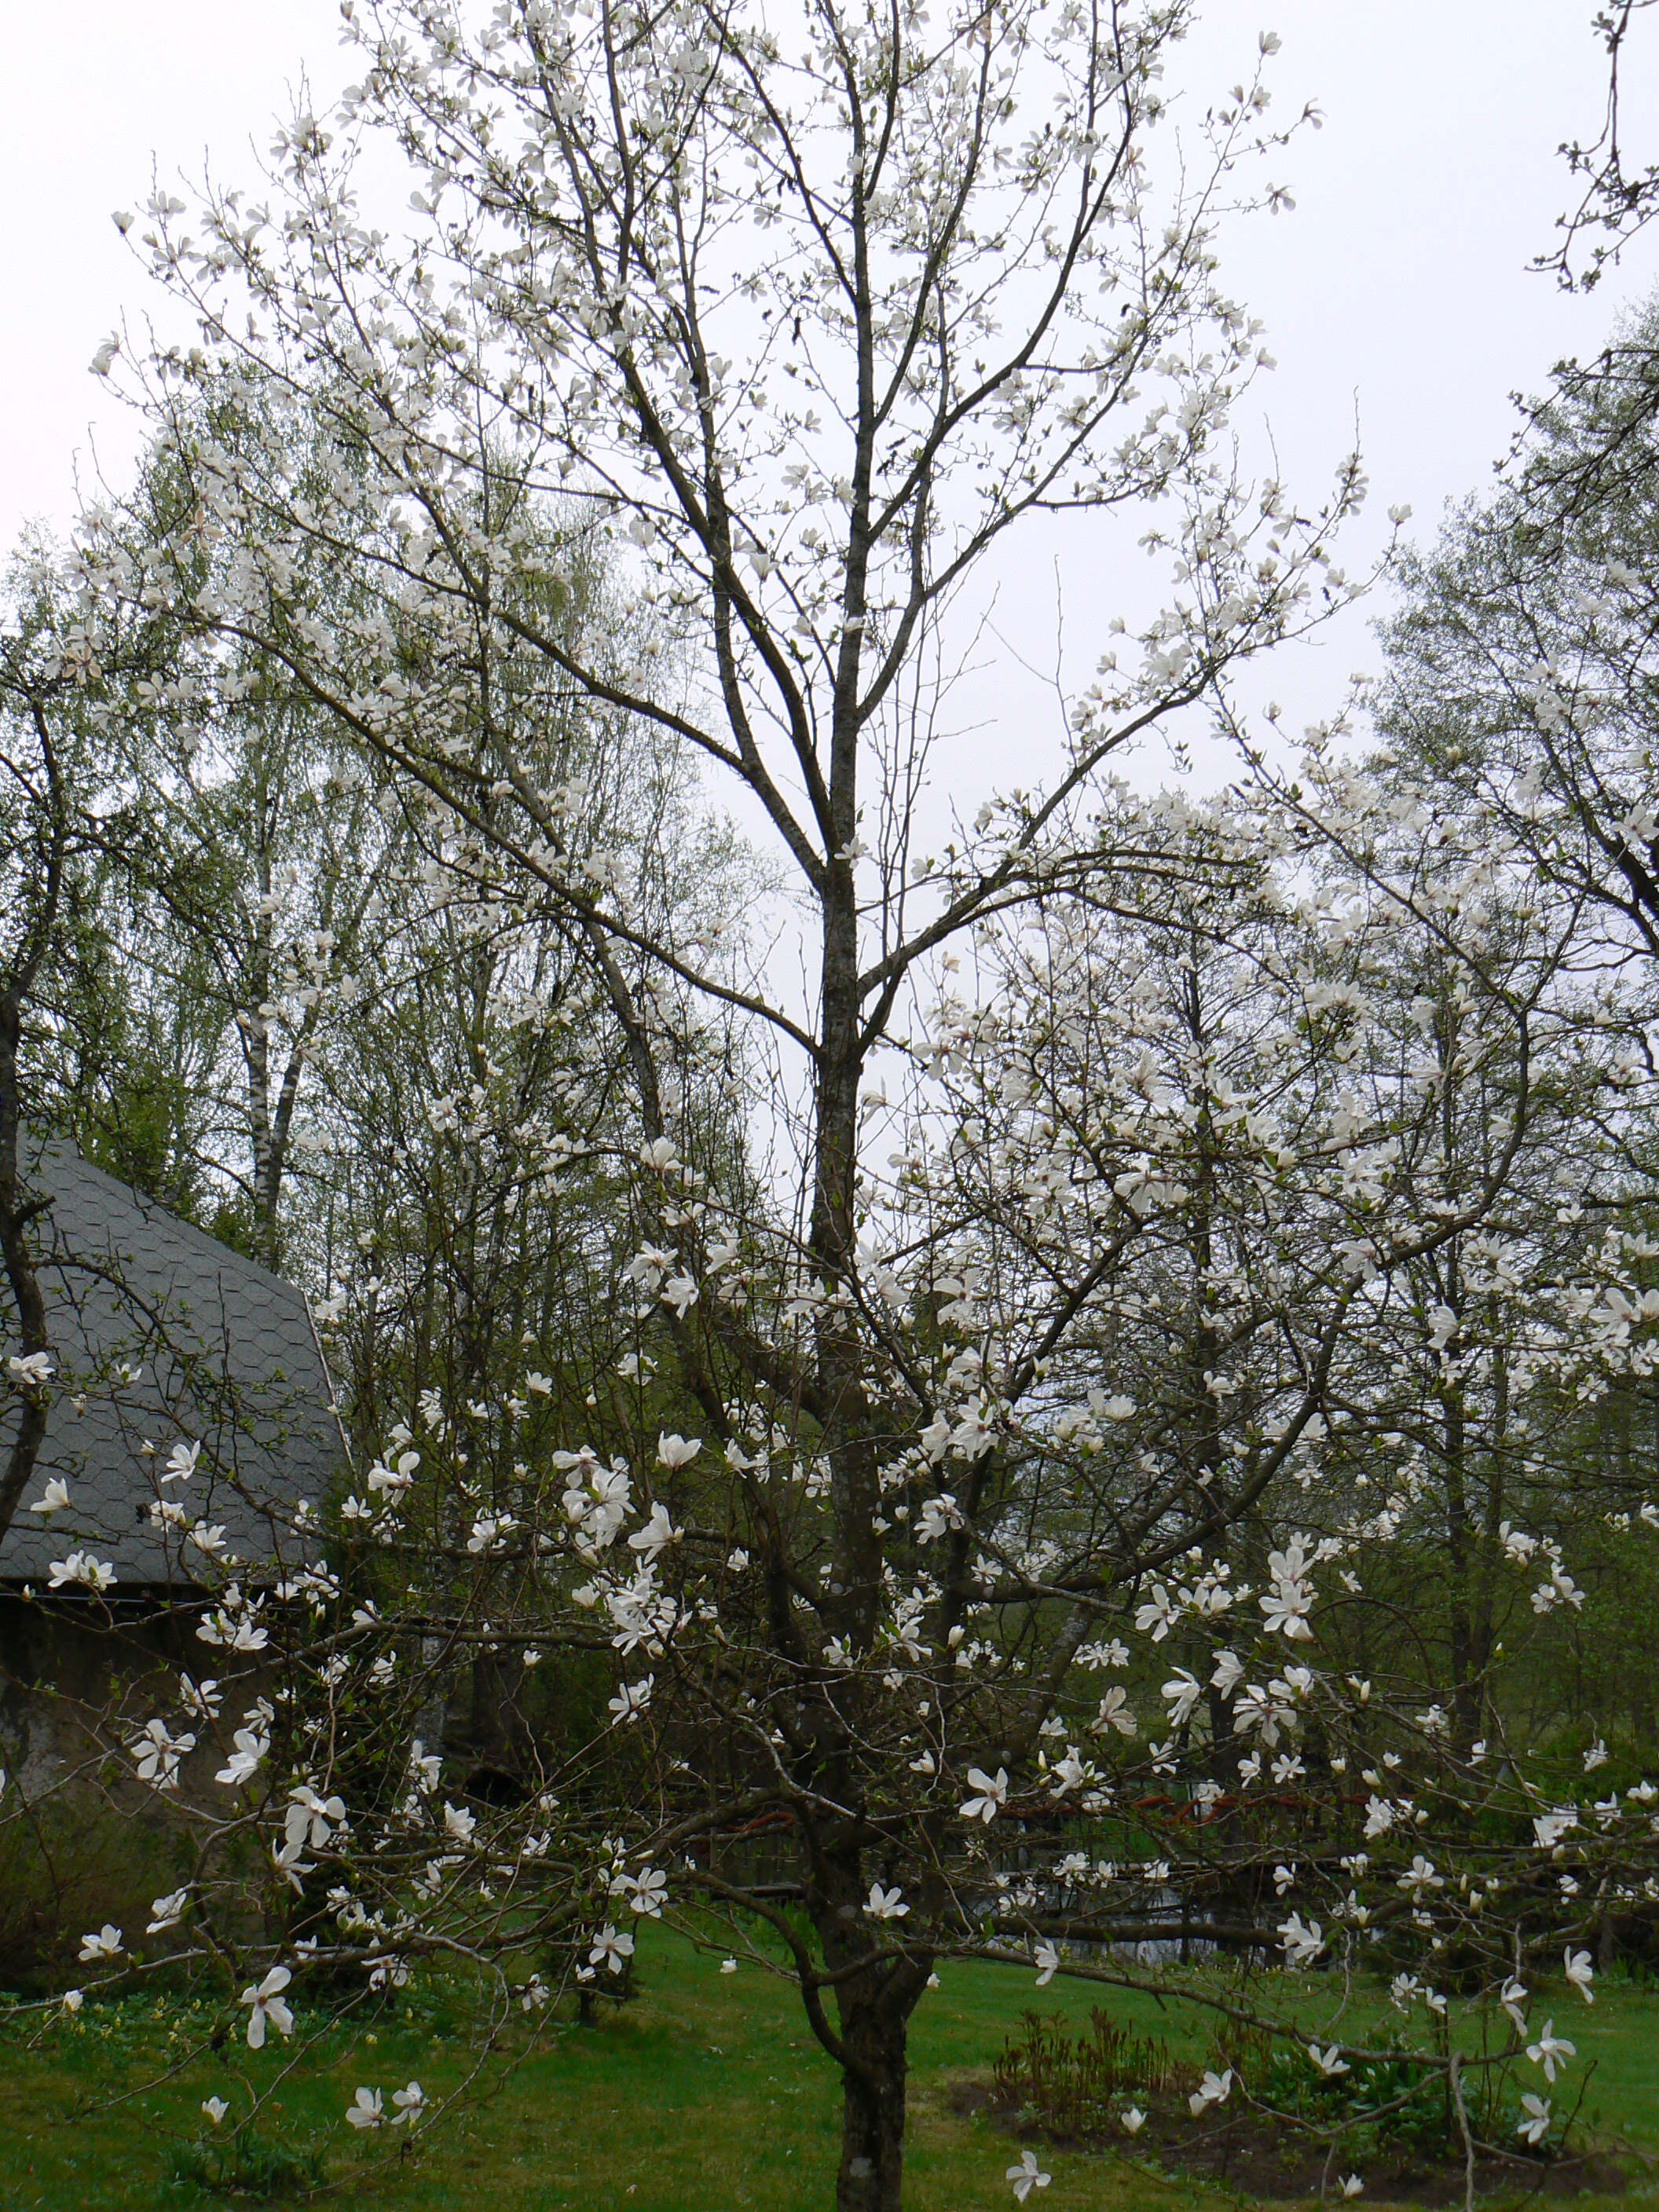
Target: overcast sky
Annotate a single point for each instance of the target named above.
(1398, 288)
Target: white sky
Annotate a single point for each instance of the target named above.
(1398, 288)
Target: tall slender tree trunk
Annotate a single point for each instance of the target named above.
(875, 1995)
(16, 1212)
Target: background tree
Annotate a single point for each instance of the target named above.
(57, 828)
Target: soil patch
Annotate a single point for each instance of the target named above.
(1261, 2154)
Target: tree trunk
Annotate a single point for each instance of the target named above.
(16, 1212)
(877, 1987)
(871, 2171)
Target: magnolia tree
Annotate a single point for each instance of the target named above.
(1011, 1297)
(1318, 1233)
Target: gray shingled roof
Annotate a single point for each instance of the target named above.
(222, 1353)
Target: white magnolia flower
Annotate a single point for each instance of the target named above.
(676, 1451)
(166, 1911)
(216, 2108)
(31, 1371)
(1579, 1970)
(393, 1481)
(1156, 1616)
(992, 1795)
(1214, 2089)
(648, 1892)
(95, 1575)
(1551, 2051)
(1046, 1960)
(938, 1516)
(250, 1746)
(611, 1949)
(490, 1533)
(1287, 1606)
(234, 1625)
(309, 1820)
(1286, 1609)
(267, 2002)
(53, 1498)
(728, 1965)
(1302, 1940)
(885, 1904)
(459, 1822)
(156, 1753)
(411, 2103)
(1351, 2184)
(106, 1944)
(1330, 2061)
(1027, 2176)
(1071, 1772)
(365, 2109)
(73, 2001)
(1133, 2120)
(181, 1463)
(1115, 1712)
(1534, 2120)
(631, 1700)
(656, 1535)
(1183, 1693)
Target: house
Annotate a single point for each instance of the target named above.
(192, 1426)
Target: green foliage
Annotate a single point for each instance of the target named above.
(245, 2164)
(1396, 2100)
(1074, 2085)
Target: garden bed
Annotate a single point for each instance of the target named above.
(1259, 2153)
(1273, 2130)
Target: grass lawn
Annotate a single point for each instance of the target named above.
(705, 2095)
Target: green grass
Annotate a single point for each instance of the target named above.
(705, 2095)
